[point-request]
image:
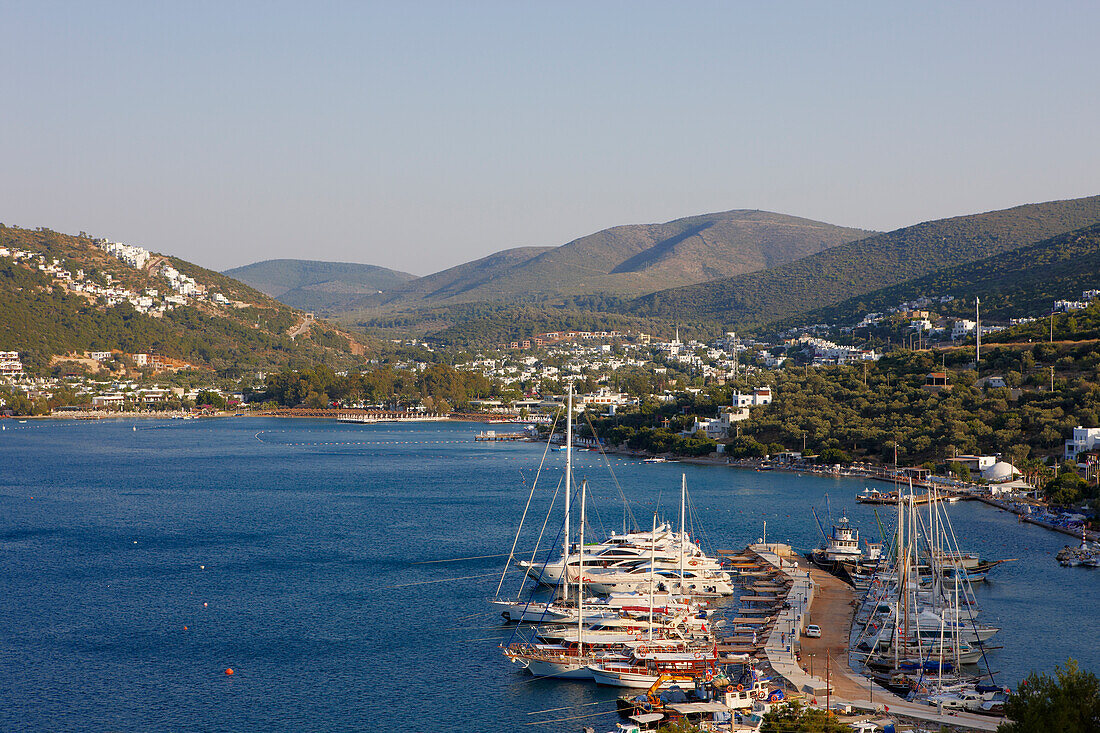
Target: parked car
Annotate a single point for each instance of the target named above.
(813, 631)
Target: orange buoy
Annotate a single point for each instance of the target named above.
(229, 671)
(204, 604)
(185, 628)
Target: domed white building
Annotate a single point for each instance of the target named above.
(1000, 471)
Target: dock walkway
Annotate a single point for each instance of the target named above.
(818, 597)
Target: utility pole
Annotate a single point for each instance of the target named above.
(978, 330)
(1052, 327)
(1052, 379)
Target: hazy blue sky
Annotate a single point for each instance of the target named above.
(419, 135)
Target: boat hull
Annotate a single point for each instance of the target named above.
(568, 670)
(636, 680)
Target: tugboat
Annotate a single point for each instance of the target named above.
(840, 553)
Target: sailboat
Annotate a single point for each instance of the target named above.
(568, 660)
(919, 631)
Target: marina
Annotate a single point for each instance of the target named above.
(323, 562)
(757, 604)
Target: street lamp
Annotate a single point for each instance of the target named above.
(812, 664)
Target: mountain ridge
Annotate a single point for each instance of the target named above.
(316, 284)
(753, 299)
(622, 261)
(1022, 282)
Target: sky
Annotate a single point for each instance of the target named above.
(418, 135)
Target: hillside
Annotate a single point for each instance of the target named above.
(1024, 282)
(63, 294)
(324, 287)
(624, 261)
(472, 325)
(868, 264)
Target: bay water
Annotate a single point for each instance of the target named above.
(323, 564)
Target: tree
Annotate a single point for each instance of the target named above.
(793, 718)
(1068, 488)
(1068, 702)
(960, 470)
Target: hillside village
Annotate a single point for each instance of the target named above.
(180, 289)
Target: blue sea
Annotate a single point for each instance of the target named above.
(318, 561)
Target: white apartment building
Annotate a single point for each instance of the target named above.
(1084, 439)
(107, 401)
(10, 365)
(962, 328)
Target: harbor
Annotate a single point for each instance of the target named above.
(416, 601)
(718, 641)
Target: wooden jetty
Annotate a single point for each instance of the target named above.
(492, 436)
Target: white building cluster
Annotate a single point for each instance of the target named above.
(135, 257)
(827, 352)
(183, 284)
(149, 301)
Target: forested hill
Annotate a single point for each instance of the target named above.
(91, 300)
(1023, 282)
(318, 286)
(869, 264)
(625, 260)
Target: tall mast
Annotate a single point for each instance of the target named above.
(580, 575)
(902, 567)
(652, 560)
(683, 528)
(568, 485)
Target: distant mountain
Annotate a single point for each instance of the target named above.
(1023, 282)
(866, 265)
(318, 286)
(624, 261)
(49, 310)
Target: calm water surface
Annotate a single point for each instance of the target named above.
(296, 553)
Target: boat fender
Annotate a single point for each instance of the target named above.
(731, 688)
(740, 688)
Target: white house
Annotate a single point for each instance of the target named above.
(719, 427)
(962, 328)
(1084, 439)
(759, 396)
(976, 463)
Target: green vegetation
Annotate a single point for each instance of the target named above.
(491, 324)
(1024, 282)
(40, 319)
(869, 264)
(1081, 325)
(865, 411)
(793, 718)
(1069, 489)
(441, 388)
(325, 287)
(1067, 702)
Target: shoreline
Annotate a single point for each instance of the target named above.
(856, 471)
